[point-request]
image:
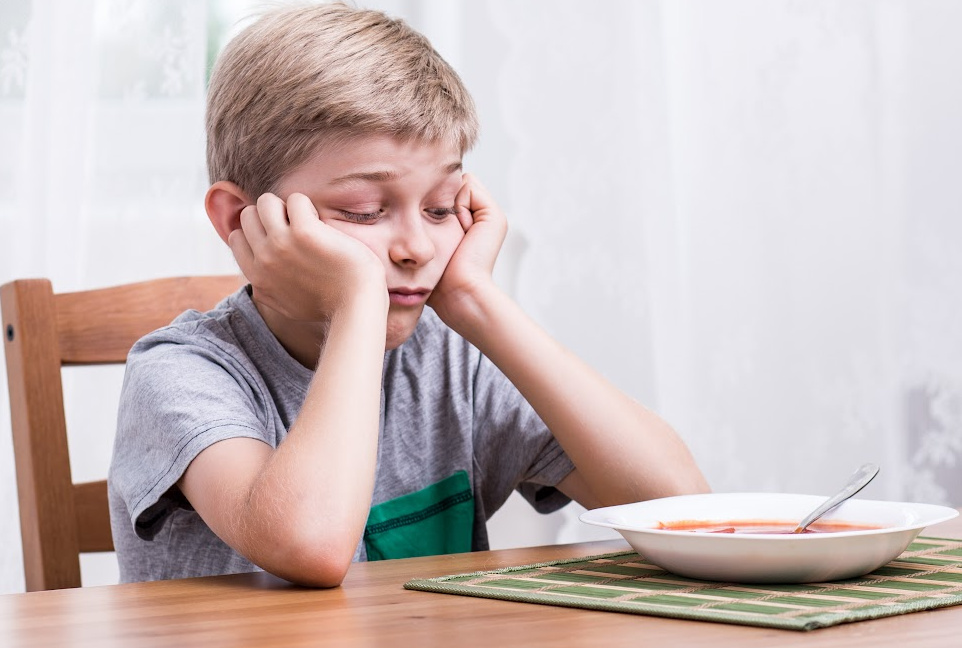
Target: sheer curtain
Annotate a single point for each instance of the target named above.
(103, 178)
(745, 213)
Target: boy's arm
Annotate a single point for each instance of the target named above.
(299, 510)
(622, 451)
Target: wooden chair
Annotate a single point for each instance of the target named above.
(44, 331)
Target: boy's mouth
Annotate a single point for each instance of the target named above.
(408, 296)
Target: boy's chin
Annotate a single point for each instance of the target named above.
(400, 327)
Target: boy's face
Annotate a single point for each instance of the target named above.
(396, 197)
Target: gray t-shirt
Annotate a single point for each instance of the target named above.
(445, 408)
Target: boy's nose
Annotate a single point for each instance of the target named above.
(411, 243)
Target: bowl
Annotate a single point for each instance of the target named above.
(767, 557)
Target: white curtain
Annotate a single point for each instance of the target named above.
(103, 177)
(744, 212)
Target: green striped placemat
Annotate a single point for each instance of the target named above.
(927, 575)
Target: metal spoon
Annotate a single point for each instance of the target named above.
(859, 479)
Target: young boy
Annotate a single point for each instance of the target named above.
(321, 415)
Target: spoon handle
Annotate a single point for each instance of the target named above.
(859, 479)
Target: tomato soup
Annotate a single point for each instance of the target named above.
(761, 526)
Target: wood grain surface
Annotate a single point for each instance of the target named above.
(371, 608)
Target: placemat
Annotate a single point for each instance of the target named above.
(927, 575)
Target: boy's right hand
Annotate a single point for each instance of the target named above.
(299, 266)
(298, 509)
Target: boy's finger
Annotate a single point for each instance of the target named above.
(241, 249)
(301, 211)
(272, 214)
(465, 217)
(462, 207)
(479, 198)
(252, 227)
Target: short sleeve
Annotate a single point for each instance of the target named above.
(178, 398)
(513, 448)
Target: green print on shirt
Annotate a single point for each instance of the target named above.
(435, 520)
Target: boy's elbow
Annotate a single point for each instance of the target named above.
(690, 482)
(320, 573)
(312, 562)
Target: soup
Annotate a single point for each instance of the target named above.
(761, 526)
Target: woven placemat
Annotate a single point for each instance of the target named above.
(927, 575)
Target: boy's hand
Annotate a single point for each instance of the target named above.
(299, 266)
(469, 273)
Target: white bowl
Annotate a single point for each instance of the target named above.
(767, 558)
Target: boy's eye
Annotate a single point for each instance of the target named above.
(440, 213)
(362, 218)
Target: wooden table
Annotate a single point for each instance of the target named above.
(372, 609)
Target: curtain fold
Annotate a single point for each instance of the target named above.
(103, 178)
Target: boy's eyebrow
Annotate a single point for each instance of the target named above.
(384, 176)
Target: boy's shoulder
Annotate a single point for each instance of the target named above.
(218, 323)
(234, 333)
(231, 335)
(225, 349)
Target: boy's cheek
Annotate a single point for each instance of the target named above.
(448, 254)
(354, 230)
(451, 244)
(331, 221)
(363, 233)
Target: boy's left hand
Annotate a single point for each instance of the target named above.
(469, 273)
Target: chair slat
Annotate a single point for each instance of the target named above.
(93, 516)
(42, 332)
(41, 455)
(99, 326)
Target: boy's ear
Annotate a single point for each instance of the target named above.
(224, 203)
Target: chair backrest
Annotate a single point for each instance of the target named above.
(44, 331)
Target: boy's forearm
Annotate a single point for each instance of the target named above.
(309, 505)
(624, 451)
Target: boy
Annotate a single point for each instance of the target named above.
(321, 415)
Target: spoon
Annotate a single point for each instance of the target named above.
(859, 479)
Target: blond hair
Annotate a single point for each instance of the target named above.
(302, 76)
